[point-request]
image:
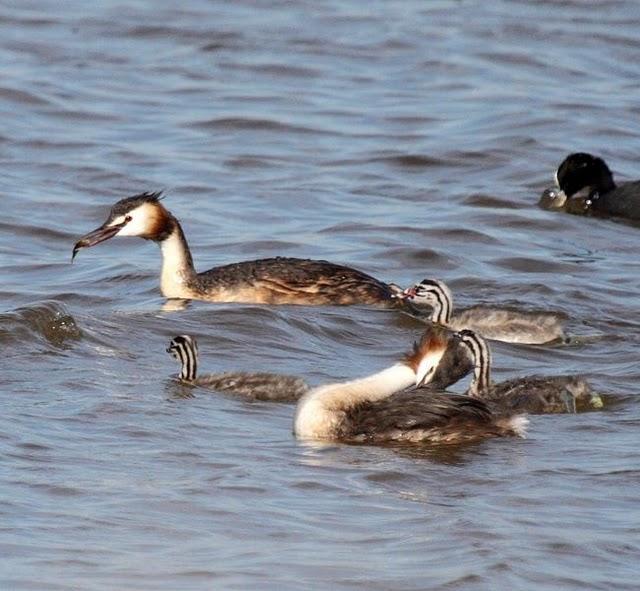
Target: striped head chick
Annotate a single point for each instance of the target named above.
(185, 349)
(481, 355)
(433, 293)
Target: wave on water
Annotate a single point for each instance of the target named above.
(48, 322)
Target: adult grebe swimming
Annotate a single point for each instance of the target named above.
(500, 324)
(253, 386)
(267, 281)
(531, 394)
(375, 409)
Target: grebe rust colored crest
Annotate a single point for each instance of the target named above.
(531, 394)
(276, 280)
(380, 409)
(500, 324)
(252, 386)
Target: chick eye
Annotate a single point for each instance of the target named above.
(127, 218)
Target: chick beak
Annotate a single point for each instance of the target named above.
(98, 235)
(409, 293)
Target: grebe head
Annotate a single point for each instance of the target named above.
(185, 349)
(481, 355)
(430, 292)
(435, 294)
(583, 171)
(141, 215)
(427, 354)
(474, 342)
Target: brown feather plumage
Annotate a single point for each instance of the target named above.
(425, 417)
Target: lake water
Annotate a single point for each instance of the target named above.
(409, 139)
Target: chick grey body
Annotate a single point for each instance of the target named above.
(531, 394)
(251, 386)
(500, 324)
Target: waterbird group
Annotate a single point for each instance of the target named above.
(406, 402)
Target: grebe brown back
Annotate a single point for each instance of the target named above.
(277, 280)
(500, 324)
(253, 386)
(379, 409)
(531, 394)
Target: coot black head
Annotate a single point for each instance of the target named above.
(583, 171)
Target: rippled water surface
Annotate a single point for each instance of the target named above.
(408, 139)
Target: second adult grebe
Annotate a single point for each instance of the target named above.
(277, 280)
(531, 394)
(252, 386)
(500, 324)
(378, 409)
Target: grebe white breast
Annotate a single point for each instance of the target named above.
(277, 280)
(500, 324)
(253, 386)
(531, 394)
(379, 409)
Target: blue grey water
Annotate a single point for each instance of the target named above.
(407, 138)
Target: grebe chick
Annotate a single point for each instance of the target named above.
(531, 394)
(375, 409)
(500, 324)
(586, 186)
(277, 280)
(253, 386)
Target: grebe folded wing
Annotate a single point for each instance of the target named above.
(294, 280)
(430, 417)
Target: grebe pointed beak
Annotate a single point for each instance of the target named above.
(98, 235)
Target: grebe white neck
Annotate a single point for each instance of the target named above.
(321, 411)
(177, 265)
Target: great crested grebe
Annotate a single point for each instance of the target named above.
(510, 326)
(531, 394)
(277, 280)
(379, 409)
(586, 186)
(253, 386)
